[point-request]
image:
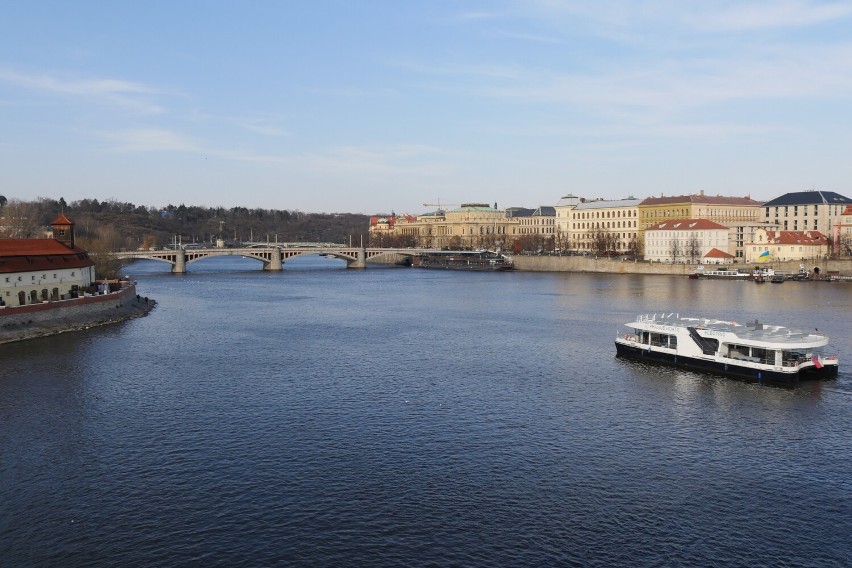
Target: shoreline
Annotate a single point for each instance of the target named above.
(21, 323)
(841, 268)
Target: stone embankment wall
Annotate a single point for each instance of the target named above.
(616, 266)
(37, 320)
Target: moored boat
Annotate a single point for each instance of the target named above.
(752, 351)
(721, 274)
(463, 260)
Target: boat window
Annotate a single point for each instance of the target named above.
(738, 352)
(760, 354)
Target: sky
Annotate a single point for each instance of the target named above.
(379, 106)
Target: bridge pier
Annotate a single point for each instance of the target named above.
(180, 262)
(275, 263)
(362, 260)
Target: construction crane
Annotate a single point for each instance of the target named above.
(438, 205)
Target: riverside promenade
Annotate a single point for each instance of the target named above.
(18, 323)
(831, 267)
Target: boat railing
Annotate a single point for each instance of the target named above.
(655, 317)
(750, 358)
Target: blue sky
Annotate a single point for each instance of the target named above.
(377, 106)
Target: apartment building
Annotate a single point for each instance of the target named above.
(806, 211)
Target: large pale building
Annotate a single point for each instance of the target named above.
(536, 222)
(806, 211)
(602, 226)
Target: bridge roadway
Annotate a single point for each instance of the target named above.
(272, 256)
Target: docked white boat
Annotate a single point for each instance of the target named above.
(752, 351)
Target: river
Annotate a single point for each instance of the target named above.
(406, 417)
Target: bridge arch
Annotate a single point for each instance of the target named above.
(272, 257)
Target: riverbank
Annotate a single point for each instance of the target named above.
(19, 323)
(832, 267)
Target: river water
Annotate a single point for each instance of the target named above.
(407, 417)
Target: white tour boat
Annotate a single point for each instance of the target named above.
(752, 351)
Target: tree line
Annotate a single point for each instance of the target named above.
(111, 225)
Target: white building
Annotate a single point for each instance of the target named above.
(41, 270)
(684, 240)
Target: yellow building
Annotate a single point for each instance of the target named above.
(771, 246)
(726, 211)
(473, 225)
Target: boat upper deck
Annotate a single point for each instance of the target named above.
(750, 332)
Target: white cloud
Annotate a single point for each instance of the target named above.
(743, 16)
(345, 161)
(113, 91)
(150, 140)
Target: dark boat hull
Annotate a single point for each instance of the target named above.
(725, 369)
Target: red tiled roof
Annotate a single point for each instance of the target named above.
(848, 210)
(716, 253)
(61, 219)
(704, 199)
(27, 255)
(796, 238)
(686, 225)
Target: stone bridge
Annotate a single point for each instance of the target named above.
(273, 257)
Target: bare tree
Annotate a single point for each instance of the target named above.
(674, 249)
(21, 220)
(634, 247)
(846, 245)
(100, 247)
(561, 240)
(693, 247)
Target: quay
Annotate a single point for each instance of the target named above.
(118, 302)
(832, 268)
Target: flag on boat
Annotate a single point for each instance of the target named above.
(763, 256)
(817, 363)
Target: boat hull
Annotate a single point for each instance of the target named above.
(637, 353)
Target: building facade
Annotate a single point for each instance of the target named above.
(806, 211)
(42, 270)
(473, 225)
(843, 233)
(684, 240)
(603, 226)
(771, 246)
